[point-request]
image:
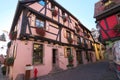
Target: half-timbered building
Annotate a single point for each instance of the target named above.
(47, 37)
(107, 14)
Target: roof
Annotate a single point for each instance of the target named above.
(103, 10)
(20, 7)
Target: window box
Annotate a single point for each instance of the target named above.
(65, 18)
(40, 31)
(54, 12)
(13, 35)
(70, 40)
(77, 29)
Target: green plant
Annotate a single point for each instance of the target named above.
(70, 61)
(70, 58)
(4, 70)
(13, 35)
(10, 61)
(70, 40)
(117, 28)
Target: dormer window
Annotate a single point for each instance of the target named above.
(39, 23)
(42, 2)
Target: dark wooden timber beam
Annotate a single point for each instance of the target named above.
(104, 31)
(47, 18)
(24, 22)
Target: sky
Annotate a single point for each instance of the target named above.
(81, 9)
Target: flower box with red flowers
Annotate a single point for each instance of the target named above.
(65, 18)
(77, 29)
(54, 12)
(70, 40)
(40, 31)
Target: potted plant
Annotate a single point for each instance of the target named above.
(54, 12)
(40, 31)
(70, 40)
(77, 29)
(65, 18)
(13, 35)
(70, 61)
(4, 70)
(10, 61)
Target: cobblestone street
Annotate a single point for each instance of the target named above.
(92, 71)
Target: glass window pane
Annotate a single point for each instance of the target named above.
(39, 23)
(38, 54)
(42, 2)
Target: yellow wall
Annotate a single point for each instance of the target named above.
(98, 51)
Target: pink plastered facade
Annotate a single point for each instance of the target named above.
(53, 37)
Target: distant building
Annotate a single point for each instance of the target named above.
(47, 37)
(2, 37)
(95, 33)
(99, 47)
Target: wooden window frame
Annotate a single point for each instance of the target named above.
(37, 56)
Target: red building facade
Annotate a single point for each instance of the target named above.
(107, 14)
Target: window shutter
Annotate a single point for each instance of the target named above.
(65, 52)
(64, 33)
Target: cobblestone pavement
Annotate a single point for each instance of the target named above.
(92, 71)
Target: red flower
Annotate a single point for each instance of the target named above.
(40, 31)
(54, 13)
(65, 18)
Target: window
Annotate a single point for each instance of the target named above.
(39, 23)
(42, 2)
(68, 34)
(78, 40)
(68, 51)
(37, 53)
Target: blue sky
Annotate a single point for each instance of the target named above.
(81, 9)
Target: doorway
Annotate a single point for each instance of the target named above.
(54, 57)
(79, 57)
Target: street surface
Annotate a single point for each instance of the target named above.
(92, 71)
